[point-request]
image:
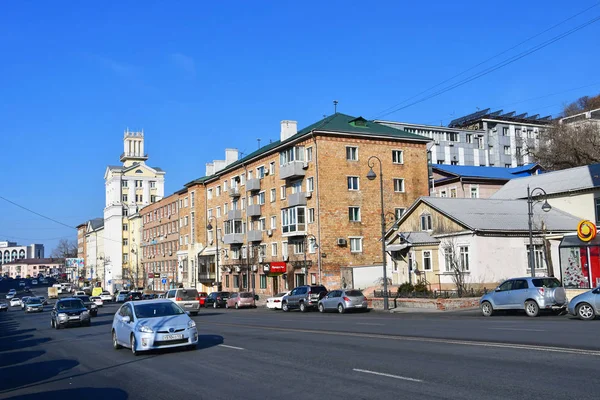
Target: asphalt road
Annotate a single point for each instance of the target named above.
(262, 354)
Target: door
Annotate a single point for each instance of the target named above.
(502, 295)
(121, 330)
(292, 299)
(275, 285)
(331, 300)
(518, 293)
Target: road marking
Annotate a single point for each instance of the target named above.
(369, 323)
(517, 329)
(511, 346)
(404, 378)
(231, 347)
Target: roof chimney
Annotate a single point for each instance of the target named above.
(210, 169)
(288, 129)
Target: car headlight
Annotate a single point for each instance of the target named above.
(94, 306)
(191, 324)
(62, 316)
(145, 329)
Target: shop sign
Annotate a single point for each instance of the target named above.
(586, 231)
(277, 268)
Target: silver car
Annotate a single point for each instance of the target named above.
(586, 306)
(188, 299)
(343, 300)
(153, 324)
(529, 294)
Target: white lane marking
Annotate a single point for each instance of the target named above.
(368, 323)
(231, 347)
(517, 329)
(404, 378)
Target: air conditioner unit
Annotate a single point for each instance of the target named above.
(267, 172)
(305, 165)
(308, 195)
(170, 253)
(494, 129)
(436, 141)
(286, 258)
(169, 217)
(254, 268)
(270, 232)
(237, 269)
(341, 242)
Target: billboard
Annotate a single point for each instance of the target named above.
(74, 263)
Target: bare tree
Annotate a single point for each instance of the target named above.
(582, 104)
(65, 249)
(455, 265)
(568, 145)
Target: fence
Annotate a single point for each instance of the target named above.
(445, 294)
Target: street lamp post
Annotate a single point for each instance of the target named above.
(216, 239)
(371, 176)
(545, 207)
(313, 239)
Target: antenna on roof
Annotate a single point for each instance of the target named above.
(258, 140)
(335, 103)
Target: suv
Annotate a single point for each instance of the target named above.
(303, 298)
(529, 294)
(69, 311)
(187, 299)
(216, 299)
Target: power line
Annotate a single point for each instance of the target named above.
(490, 58)
(25, 238)
(498, 65)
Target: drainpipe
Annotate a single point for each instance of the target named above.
(318, 216)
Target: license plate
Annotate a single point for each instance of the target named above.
(172, 337)
(189, 305)
(75, 317)
(359, 306)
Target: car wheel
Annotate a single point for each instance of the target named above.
(237, 306)
(302, 307)
(321, 308)
(585, 312)
(56, 325)
(341, 309)
(116, 344)
(531, 308)
(133, 345)
(486, 309)
(51, 323)
(285, 307)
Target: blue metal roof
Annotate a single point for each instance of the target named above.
(487, 172)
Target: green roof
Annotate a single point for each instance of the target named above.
(337, 122)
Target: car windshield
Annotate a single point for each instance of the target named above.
(187, 294)
(154, 310)
(33, 300)
(84, 298)
(123, 293)
(105, 293)
(317, 289)
(68, 304)
(246, 295)
(281, 294)
(546, 282)
(354, 293)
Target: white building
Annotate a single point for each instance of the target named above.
(129, 187)
(11, 251)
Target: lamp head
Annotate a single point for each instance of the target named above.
(546, 206)
(209, 226)
(371, 175)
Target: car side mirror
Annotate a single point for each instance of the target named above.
(126, 319)
(497, 289)
(596, 291)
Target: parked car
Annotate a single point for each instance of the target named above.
(69, 311)
(274, 302)
(89, 304)
(202, 296)
(106, 296)
(153, 324)
(79, 293)
(216, 299)
(15, 302)
(303, 298)
(27, 289)
(529, 294)
(132, 296)
(187, 299)
(34, 304)
(586, 306)
(149, 296)
(22, 283)
(121, 297)
(11, 293)
(3, 307)
(34, 282)
(343, 300)
(97, 301)
(240, 300)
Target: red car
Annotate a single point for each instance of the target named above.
(202, 296)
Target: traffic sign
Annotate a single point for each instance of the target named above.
(164, 281)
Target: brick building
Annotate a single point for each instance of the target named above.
(298, 210)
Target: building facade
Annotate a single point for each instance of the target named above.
(32, 267)
(94, 258)
(11, 251)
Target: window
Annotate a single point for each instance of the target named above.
(464, 257)
(273, 222)
(426, 222)
(538, 256)
(125, 227)
(299, 247)
(397, 156)
(209, 212)
(218, 212)
(479, 142)
(311, 215)
(354, 214)
(283, 193)
(125, 257)
(218, 191)
(139, 198)
(309, 154)
(355, 245)
(453, 192)
(507, 165)
(225, 185)
(274, 249)
(236, 281)
(291, 154)
(152, 198)
(124, 184)
(453, 162)
(262, 224)
(152, 184)
(125, 242)
(273, 195)
(507, 150)
(124, 198)
(225, 208)
(449, 258)
(185, 220)
(351, 153)
(399, 212)
(210, 194)
(185, 202)
(427, 260)
(227, 281)
(398, 185)
(138, 184)
(443, 193)
(310, 184)
(440, 162)
(353, 183)
(272, 168)
(293, 219)
(263, 281)
(260, 198)
(260, 172)
(474, 191)
(469, 138)
(504, 131)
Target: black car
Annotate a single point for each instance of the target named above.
(216, 299)
(89, 304)
(134, 296)
(69, 311)
(149, 296)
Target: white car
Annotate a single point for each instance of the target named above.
(80, 293)
(11, 293)
(106, 296)
(274, 302)
(15, 302)
(97, 301)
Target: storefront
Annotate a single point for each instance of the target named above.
(580, 262)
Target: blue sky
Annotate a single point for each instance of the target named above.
(202, 76)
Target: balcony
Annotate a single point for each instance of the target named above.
(233, 238)
(205, 275)
(294, 169)
(255, 236)
(297, 199)
(234, 214)
(253, 185)
(234, 192)
(253, 210)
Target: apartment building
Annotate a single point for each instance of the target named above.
(11, 251)
(300, 209)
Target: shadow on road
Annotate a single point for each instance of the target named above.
(18, 357)
(20, 375)
(18, 343)
(10, 332)
(79, 393)
(208, 314)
